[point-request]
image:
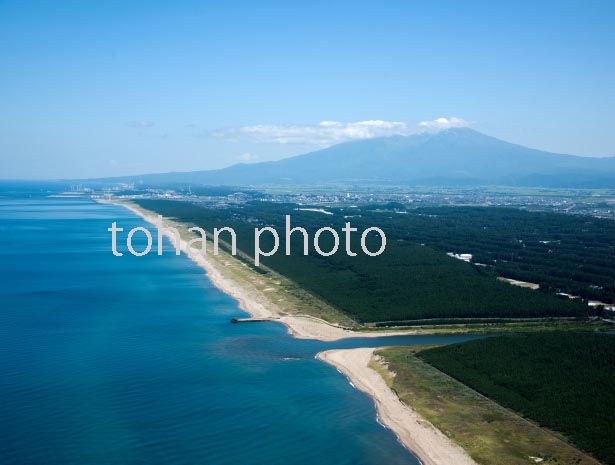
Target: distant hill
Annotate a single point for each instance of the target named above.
(459, 156)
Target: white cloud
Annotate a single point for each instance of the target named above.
(324, 133)
(247, 157)
(328, 133)
(141, 124)
(443, 123)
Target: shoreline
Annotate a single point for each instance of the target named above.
(237, 279)
(411, 430)
(252, 301)
(417, 434)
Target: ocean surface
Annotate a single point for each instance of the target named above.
(132, 360)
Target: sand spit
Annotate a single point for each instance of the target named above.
(413, 431)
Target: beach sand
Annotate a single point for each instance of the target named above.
(418, 435)
(413, 431)
(258, 302)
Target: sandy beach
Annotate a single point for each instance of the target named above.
(414, 432)
(256, 301)
(417, 434)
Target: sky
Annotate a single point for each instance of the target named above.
(106, 88)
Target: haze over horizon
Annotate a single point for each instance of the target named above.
(101, 90)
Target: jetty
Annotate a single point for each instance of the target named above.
(252, 320)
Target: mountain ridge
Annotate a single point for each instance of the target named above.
(456, 156)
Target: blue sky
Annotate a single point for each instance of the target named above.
(100, 88)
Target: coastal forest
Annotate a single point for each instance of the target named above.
(561, 253)
(414, 279)
(564, 381)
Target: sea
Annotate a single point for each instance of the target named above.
(133, 360)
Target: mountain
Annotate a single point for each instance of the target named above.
(459, 156)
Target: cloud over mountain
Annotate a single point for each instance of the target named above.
(325, 133)
(444, 123)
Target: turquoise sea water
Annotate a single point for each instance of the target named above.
(132, 360)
